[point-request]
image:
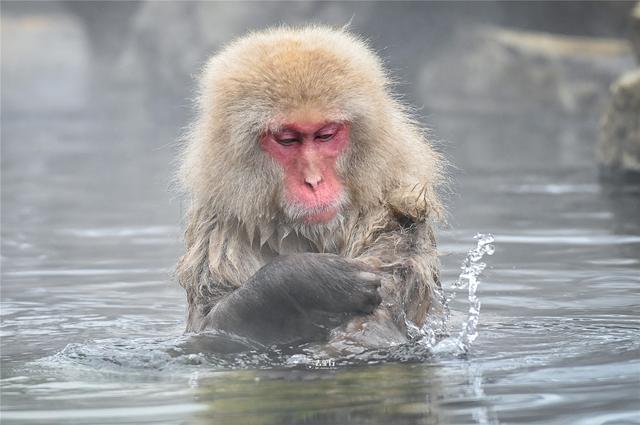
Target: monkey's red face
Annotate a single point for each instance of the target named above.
(308, 153)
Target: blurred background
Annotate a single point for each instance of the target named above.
(503, 85)
(545, 63)
(535, 104)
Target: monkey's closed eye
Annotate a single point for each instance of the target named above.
(325, 137)
(287, 142)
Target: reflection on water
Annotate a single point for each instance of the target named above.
(91, 321)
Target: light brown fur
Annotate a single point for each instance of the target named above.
(235, 223)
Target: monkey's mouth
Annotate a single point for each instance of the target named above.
(317, 214)
(321, 217)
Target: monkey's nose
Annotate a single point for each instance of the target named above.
(313, 181)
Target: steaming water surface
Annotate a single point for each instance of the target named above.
(92, 322)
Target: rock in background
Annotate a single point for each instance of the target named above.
(506, 72)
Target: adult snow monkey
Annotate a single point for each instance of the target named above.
(312, 195)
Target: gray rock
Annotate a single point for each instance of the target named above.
(619, 148)
(491, 70)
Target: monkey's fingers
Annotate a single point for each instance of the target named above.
(369, 277)
(367, 296)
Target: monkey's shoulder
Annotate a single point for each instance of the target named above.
(407, 219)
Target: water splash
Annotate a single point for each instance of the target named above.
(472, 267)
(432, 332)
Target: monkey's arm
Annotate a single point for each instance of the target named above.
(413, 288)
(421, 289)
(405, 254)
(297, 298)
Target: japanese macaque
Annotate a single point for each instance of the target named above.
(313, 195)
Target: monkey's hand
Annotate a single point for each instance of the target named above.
(298, 298)
(329, 283)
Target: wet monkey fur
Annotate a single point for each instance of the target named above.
(313, 195)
